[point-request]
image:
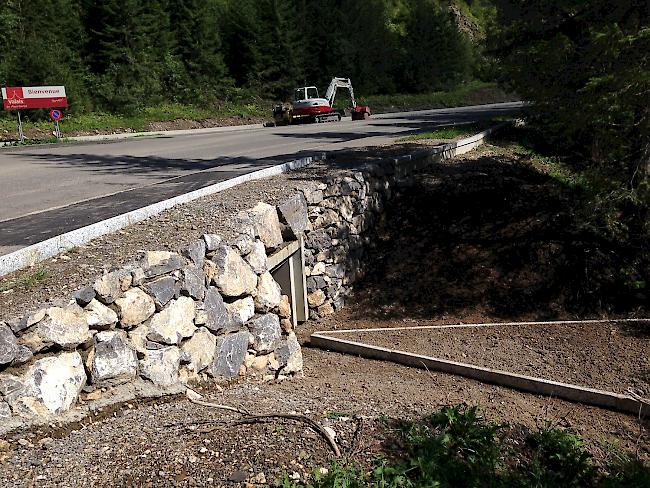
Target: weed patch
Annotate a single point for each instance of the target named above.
(457, 447)
(450, 132)
(27, 280)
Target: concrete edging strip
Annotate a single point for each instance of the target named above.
(36, 253)
(529, 384)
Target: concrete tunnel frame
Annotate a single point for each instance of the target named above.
(287, 267)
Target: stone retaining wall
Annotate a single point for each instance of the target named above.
(345, 214)
(212, 310)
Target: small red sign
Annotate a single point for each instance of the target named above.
(19, 98)
(56, 114)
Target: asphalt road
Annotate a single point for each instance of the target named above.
(49, 190)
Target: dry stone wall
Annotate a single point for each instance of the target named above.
(210, 311)
(346, 214)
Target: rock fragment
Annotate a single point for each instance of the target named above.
(269, 293)
(134, 307)
(162, 290)
(157, 263)
(99, 316)
(267, 224)
(161, 366)
(230, 355)
(195, 252)
(219, 320)
(257, 258)
(174, 323)
(112, 358)
(234, 277)
(200, 349)
(293, 213)
(266, 332)
(8, 345)
(111, 285)
(241, 310)
(65, 327)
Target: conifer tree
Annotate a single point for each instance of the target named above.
(198, 45)
(121, 54)
(39, 44)
(436, 55)
(280, 67)
(242, 27)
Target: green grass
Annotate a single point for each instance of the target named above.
(28, 280)
(337, 415)
(457, 448)
(450, 132)
(473, 93)
(72, 123)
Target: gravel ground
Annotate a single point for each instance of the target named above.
(608, 356)
(177, 443)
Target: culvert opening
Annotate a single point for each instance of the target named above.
(287, 267)
(491, 239)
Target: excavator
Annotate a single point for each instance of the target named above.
(308, 106)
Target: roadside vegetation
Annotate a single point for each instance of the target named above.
(450, 132)
(130, 65)
(585, 68)
(118, 56)
(241, 112)
(28, 281)
(458, 447)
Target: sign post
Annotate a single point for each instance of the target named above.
(21, 134)
(56, 115)
(27, 97)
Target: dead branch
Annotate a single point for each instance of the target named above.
(240, 411)
(249, 418)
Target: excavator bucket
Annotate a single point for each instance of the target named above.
(361, 112)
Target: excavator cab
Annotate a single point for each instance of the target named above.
(305, 93)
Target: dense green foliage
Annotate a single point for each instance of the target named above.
(124, 55)
(457, 448)
(586, 68)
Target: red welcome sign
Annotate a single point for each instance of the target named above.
(24, 97)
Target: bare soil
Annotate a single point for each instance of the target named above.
(176, 443)
(483, 239)
(608, 356)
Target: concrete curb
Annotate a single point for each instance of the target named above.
(529, 384)
(41, 251)
(166, 133)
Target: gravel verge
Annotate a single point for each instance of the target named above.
(55, 278)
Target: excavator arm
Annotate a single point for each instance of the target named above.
(337, 83)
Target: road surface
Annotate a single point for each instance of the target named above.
(49, 190)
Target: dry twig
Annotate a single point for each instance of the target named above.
(249, 418)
